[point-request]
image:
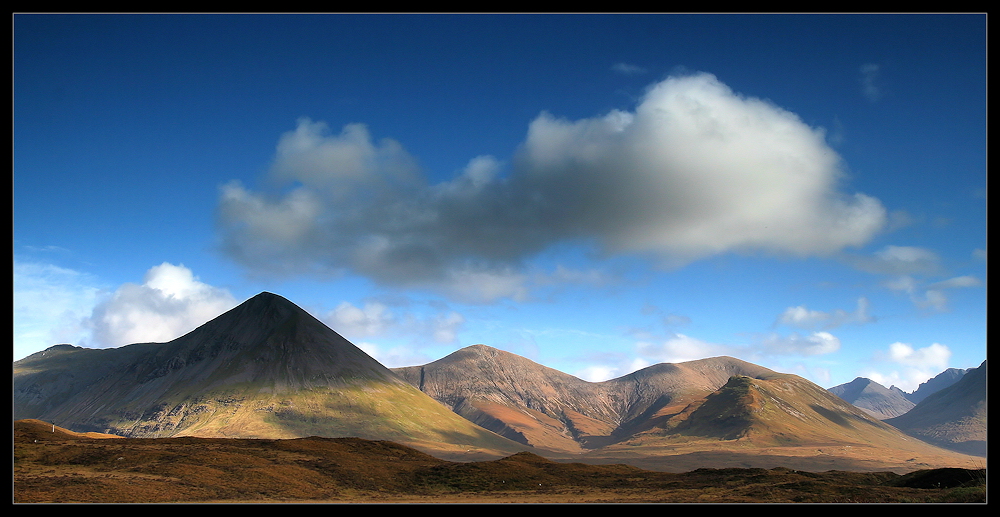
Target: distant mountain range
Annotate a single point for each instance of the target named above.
(953, 417)
(873, 398)
(948, 410)
(268, 369)
(891, 402)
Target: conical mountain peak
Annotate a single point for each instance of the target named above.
(266, 369)
(274, 340)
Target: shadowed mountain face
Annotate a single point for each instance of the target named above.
(937, 383)
(264, 369)
(953, 417)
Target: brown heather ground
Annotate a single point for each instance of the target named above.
(65, 467)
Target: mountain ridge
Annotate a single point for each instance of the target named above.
(268, 369)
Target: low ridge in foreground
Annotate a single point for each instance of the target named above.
(52, 464)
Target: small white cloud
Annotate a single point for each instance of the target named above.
(597, 373)
(904, 284)
(801, 317)
(604, 372)
(393, 357)
(931, 296)
(816, 343)
(935, 356)
(357, 322)
(377, 321)
(957, 282)
(680, 348)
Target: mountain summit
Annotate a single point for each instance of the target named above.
(265, 369)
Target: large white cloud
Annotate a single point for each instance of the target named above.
(696, 170)
(169, 303)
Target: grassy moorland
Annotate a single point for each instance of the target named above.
(55, 467)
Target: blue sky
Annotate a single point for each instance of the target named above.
(597, 193)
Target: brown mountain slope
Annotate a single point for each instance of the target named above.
(264, 369)
(781, 410)
(719, 412)
(516, 397)
(954, 417)
(665, 393)
(535, 405)
(782, 420)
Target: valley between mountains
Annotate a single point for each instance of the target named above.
(269, 370)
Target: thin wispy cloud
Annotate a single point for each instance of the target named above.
(50, 304)
(815, 343)
(378, 320)
(804, 318)
(870, 82)
(897, 260)
(628, 69)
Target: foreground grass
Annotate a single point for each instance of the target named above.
(348, 470)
